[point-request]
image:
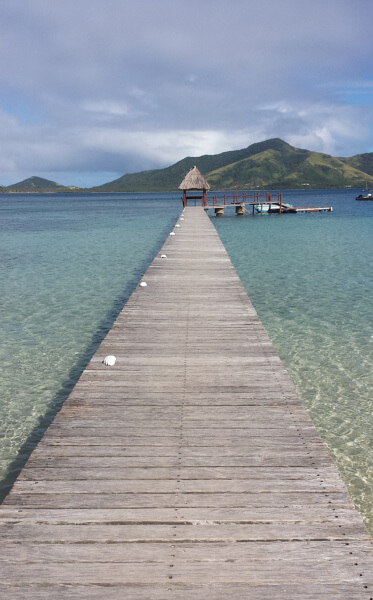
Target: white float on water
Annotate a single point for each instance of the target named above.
(110, 360)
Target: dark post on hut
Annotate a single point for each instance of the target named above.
(194, 182)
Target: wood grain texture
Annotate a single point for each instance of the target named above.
(190, 469)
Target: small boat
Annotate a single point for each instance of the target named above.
(264, 208)
(273, 207)
(368, 196)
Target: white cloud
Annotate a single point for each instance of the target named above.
(134, 85)
(162, 148)
(330, 128)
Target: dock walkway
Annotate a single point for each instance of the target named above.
(190, 469)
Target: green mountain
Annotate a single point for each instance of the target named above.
(38, 184)
(362, 162)
(272, 164)
(290, 168)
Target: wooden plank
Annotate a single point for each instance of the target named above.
(155, 552)
(103, 462)
(22, 532)
(190, 468)
(336, 591)
(178, 473)
(180, 498)
(327, 485)
(87, 450)
(183, 572)
(176, 514)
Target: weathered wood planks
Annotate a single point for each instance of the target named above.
(190, 469)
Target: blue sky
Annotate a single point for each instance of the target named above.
(93, 89)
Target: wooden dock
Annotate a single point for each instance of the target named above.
(189, 469)
(274, 207)
(262, 203)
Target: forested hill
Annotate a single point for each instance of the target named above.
(38, 185)
(272, 164)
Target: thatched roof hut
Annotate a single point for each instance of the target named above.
(194, 181)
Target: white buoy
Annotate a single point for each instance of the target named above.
(143, 284)
(163, 255)
(110, 360)
(172, 233)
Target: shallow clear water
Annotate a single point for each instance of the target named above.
(310, 278)
(68, 264)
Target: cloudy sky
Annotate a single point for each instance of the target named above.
(93, 89)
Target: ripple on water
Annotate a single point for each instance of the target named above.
(310, 279)
(67, 265)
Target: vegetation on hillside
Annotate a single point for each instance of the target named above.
(362, 162)
(38, 184)
(272, 164)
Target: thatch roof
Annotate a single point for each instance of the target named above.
(194, 181)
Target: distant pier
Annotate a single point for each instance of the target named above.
(189, 469)
(256, 202)
(194, 187)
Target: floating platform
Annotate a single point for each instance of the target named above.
(189, 469)
(313, 209)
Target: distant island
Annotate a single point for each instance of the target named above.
(38, 185)
(272, 164)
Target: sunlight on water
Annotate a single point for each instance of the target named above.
(67, 265)
(310, 278)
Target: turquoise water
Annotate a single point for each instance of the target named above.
(310, 278)
(67, 265)
(69, 262)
